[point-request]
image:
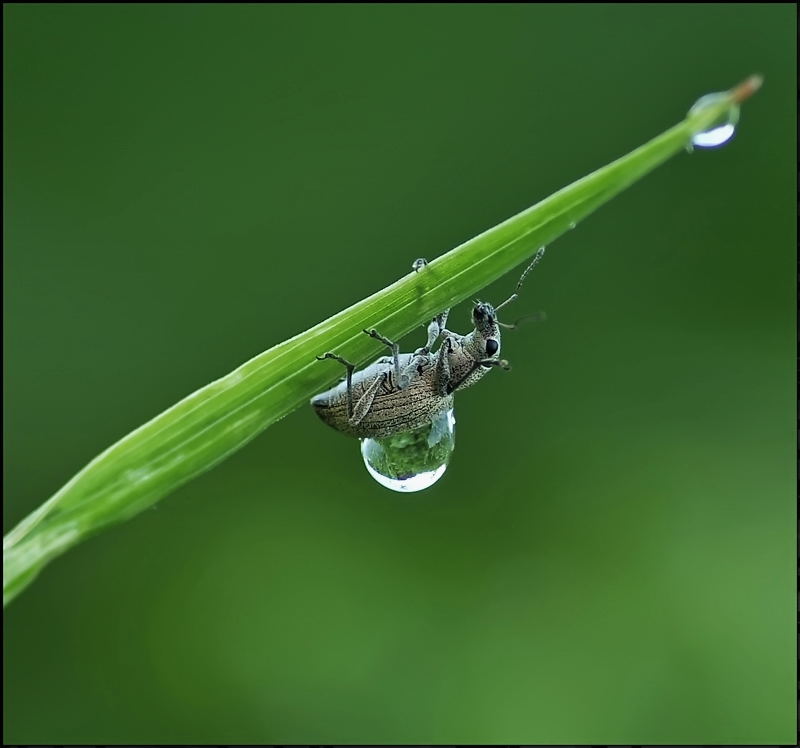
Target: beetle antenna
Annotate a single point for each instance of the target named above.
(534, 262)
(538, 316)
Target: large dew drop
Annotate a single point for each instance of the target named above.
(412, 460)
(720, 131)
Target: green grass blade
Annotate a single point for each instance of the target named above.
(216, 420)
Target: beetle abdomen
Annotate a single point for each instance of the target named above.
(393, 410)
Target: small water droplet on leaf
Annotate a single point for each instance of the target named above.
(721, 130)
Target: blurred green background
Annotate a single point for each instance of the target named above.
(610, 557)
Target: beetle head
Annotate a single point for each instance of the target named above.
(486, 337)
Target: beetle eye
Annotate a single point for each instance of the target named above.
(492, 346)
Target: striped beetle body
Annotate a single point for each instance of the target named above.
(404, 391)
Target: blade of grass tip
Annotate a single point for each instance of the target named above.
(202, 429)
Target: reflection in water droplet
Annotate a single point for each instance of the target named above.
(412, 460)
(721, 130)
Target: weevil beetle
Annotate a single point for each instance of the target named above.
(404, 391)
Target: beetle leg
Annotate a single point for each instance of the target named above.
(395, 348)
(501, 362)
(442, 379)
(487, 362)
(435, 329)
(350, 368)
(418, 362)
(365, 401)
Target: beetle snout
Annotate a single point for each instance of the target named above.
(483, 312)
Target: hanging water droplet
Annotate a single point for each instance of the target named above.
(721, 130)
(412, 460)
(572, 224)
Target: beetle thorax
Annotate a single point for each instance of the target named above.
(469, 350)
